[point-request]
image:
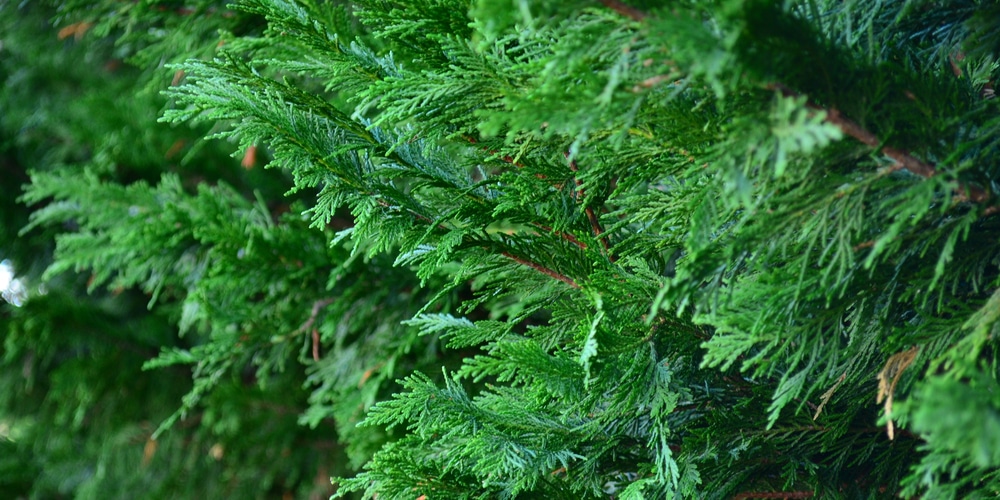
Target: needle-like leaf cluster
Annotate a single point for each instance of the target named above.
(667, 249)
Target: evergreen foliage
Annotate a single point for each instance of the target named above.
(579, 249)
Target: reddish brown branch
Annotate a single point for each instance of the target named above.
(542, 269)
(595, 224)
(864, 244)
(504, 158)
(774, 494)
(652, 82)
(903, 159)
(625, 10)
(315, 339)
(316, 308)
(308, 325)
(566, 236)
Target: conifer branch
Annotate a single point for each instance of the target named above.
(595, 224)
(566, 236)
(542, 269)
(316, 308)
(315, 344)
(533, 265)
(788, 495)
(391, 156)
(903, 159)
(308, 325)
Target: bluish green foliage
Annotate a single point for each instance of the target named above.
(666, 249)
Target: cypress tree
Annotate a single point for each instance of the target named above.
(530, 249)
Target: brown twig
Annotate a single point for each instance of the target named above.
(652, 82)
(308, 325)
(774, 494)
(625, 10)
(864, 244)
(508, 159)
(903, 159)
(589, 211)
(542, 269)
(322, 303)
(316, 308)
(595, 224)
(566, 236)
(315, 339)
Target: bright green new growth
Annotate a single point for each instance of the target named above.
(681, 249)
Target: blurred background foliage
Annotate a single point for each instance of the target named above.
(80, 94)
(674, 248)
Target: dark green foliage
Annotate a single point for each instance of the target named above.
(549, 249)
